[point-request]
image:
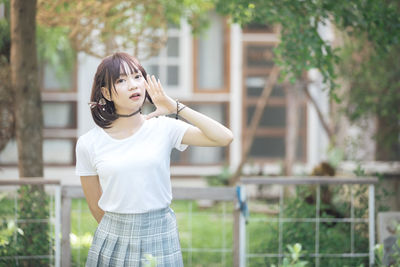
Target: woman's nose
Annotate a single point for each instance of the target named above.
(132, 83)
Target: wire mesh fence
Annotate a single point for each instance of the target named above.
(332, 218)
(207, 234)
(30, 222)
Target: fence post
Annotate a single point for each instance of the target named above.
(371, 224)
(66, 229)
(239, 231)
(242, 230)
(57, 225)
(236, 235)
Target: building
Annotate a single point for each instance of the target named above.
(221, 74)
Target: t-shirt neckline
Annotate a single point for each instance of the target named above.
(126, 138)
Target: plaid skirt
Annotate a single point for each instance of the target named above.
(136, 240)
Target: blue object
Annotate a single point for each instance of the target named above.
(242, 204)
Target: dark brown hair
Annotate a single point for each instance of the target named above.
(107, 73)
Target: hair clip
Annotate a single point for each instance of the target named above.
(100, 104)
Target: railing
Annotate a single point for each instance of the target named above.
(318, 181)
(63, 199)
(52, 187)
(218, 194)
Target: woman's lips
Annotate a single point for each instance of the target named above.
(135, 96)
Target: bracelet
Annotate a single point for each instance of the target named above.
(178, 109)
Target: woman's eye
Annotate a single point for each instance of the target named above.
(120, 80)
(138, 76)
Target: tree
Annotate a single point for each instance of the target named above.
(28, 126)
(373, 90)
(105, 26)
(24, 81)
(301, 48)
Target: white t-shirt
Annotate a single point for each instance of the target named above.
(134, 172)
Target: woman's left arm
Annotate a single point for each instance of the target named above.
(204, 131)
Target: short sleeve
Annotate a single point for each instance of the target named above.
(177, 129)
(84, 166)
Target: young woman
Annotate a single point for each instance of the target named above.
(124, 164)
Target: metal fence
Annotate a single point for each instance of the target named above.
(281, 218)
(12, 220)
(236, 236)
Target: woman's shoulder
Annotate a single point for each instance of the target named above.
(89, 136)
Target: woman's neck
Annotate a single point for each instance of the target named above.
(128, 124)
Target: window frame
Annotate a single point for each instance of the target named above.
(162, 61)
(226, 72)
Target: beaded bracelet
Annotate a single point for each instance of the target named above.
(178, 109)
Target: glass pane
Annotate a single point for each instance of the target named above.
(59, 151)
(210, 56)
(215, 111)
(209, 155)
(53, 81)
(173, 47)
(302, 117)
(300, 148)
(172, 75)
(9, 155)
(176, 156)
(59, 115)
(205, 155)
(255, 86)
(259, 56)
(258, 27)
(272, 116)
(153, 70)
(264, 147)
(54, 151)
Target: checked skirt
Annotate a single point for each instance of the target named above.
(136, 240)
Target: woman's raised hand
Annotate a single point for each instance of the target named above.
(164, 104)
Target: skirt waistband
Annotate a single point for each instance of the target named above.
(150, 215)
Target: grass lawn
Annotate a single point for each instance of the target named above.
(205, 235)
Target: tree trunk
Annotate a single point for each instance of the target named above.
(32, 202)
(24, 79)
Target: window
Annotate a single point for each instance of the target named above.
(167, 64)
(270, 137)
(59, 115)
(205, 155)
(211, 57)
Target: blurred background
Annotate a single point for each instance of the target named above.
(309, 88)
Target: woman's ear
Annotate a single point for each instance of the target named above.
(106, 93)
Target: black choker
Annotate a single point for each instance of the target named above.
(129, 115)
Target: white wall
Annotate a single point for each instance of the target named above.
(87, 66)
(236, 95)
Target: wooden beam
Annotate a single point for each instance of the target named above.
(287, 180)
(29, 181)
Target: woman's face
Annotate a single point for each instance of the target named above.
(130, 92)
